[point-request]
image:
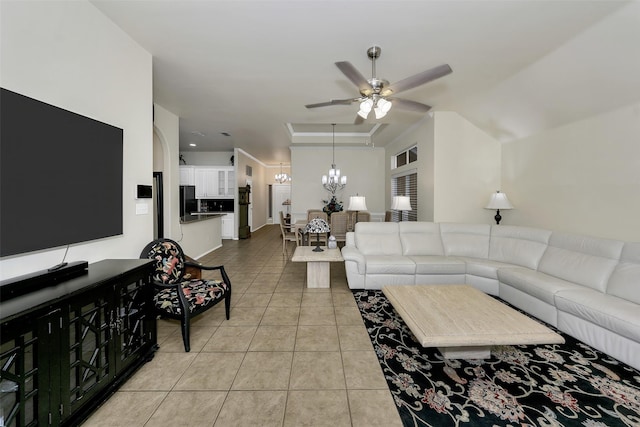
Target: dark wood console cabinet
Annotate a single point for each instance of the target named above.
(66, 348)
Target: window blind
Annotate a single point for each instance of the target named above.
(406, 184)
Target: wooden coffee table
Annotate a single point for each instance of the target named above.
(463, 322)
(318, 267)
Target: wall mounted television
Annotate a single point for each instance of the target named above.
(60, 176)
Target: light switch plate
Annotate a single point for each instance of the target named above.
(142, 208)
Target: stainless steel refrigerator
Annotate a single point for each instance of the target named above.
(188, 202)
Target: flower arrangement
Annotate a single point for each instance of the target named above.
(331, 206)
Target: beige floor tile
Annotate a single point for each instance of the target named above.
(254, 300)
(362, 370)
(166, 330)
(354, 338)
(161, 373)
(343, 299)
(317, 316)
(274, 338)
(317, 338)
(189, 409)
(373, 408)
(211, 371)
(259, 286)
(198, 337)
(253, 408)
(281, 316)
(317, 370)
(286, 299)
(319, 299)
(290, 284)
(317, 408)
(348, 316)
(212, 317)
(268, 370)
(230, 338)
(244, 316)
(126, 409)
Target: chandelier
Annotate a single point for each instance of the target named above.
(282, 177)
(334, 181)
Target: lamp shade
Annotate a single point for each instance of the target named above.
(401, 203)
(357, 203)
(499, 201)
(317, 225)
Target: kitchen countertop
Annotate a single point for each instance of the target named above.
(200, 217)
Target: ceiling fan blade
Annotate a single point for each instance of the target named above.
(406, 104)
(332, 102)
(354, 75)
(417, 80)
(358, 120)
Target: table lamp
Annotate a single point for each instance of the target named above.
(401, 203)
(357, 203)
(498, 201)
(317, 226)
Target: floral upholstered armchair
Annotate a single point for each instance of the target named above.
(179, 296)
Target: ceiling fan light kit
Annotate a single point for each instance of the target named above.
(375, 93)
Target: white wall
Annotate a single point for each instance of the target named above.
(467, 170)
(364, 167)
(259, 192)
(70, 55)
(458, 168)
(583, 177)
(204, 158)
(167, 128)
(422, 136)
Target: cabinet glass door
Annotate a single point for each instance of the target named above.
(89, 323)
(19, 375)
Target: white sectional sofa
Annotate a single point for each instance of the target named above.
(585, 286)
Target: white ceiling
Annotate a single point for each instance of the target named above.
(248, 68)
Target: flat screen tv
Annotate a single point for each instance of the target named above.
(60, 176)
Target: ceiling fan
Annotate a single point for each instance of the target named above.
(376, 94)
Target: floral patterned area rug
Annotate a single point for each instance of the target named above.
(551, 385)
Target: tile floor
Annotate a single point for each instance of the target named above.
(288, 356)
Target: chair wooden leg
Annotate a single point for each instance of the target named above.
(185, 321)
(227, 303)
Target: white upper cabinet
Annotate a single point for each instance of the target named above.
(187, 176)
(212, 182)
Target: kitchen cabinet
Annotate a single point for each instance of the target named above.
(228, 227)
(187, 175)
(214, 182)
(226, 183)
(206, 181)
(68, 346)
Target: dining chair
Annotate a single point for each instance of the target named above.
(311, 214)
(287, 236)
(338, 221)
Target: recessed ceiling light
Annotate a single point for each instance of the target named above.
(192, 145)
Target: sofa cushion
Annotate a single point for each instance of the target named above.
(390, 264)
(420, 238)
(378, 238)
(587, 261)
(470, 240)
(433, 264)
(538, 285)
(521, 246)
(625, 279)
(612, 313)
(484, 267)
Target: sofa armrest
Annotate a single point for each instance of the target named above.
(352, 254)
